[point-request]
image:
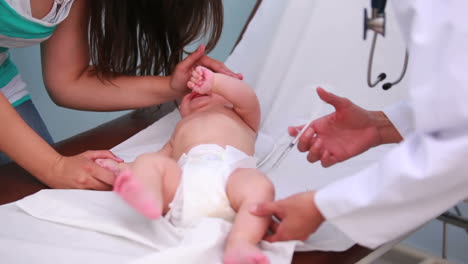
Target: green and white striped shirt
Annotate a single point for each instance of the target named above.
(18, 28)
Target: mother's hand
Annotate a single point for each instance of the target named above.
(183, 70)
(81, 172)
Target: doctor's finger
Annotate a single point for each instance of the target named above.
(328, 159)
(294, 130)
(273, 238)
(274, 226)
(280, 234)
(269, 238)
(315, 151)
(306, 140)
(266, 209)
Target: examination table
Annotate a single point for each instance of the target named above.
(16, 183)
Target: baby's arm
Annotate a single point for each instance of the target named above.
(166, 150)
(242, 96)
(238, 92)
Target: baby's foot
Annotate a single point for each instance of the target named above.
(202, 80)
(137, 195)
(109, 164)
(244, 253)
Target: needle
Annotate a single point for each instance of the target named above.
(292, 144)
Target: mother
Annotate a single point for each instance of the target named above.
(100, 55)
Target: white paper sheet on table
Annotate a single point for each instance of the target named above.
(273, 56)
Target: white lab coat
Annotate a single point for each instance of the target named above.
(427, 173)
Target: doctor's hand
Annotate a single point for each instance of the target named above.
(345, 133)
(297, 214)
(183, 70)
(81, 172)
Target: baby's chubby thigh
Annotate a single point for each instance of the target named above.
(159, 173)
(248, 186)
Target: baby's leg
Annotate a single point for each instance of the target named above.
(149, 183)
(245, 188)
(112, 165)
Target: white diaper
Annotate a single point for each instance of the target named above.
(202, 190)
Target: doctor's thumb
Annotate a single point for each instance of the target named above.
(330, 98)
(263, 209)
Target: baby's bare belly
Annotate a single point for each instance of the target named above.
(222, 131)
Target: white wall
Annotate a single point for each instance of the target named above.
(63, 123)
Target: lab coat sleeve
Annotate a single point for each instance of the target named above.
(426, 173)
(401, 116)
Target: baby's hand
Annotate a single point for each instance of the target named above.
(202, 80)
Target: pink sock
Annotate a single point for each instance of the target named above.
(135, 193)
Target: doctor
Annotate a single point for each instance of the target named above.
(420, 178)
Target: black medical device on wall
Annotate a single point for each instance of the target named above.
(376, 23)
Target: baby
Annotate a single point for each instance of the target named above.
(207, 167)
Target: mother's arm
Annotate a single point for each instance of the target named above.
(16, 183)
(71, 83)
(68, 75)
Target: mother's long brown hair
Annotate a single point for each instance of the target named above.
(148, 37)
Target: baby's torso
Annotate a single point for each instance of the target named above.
(222, 127)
